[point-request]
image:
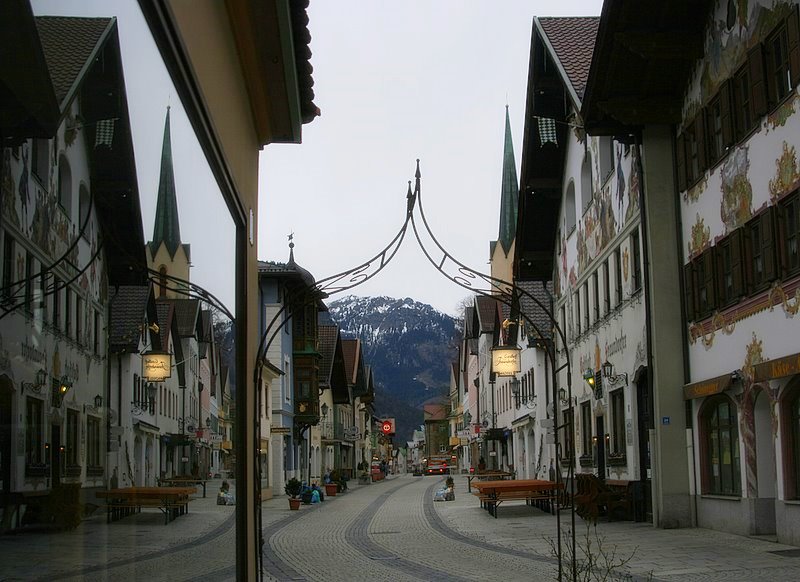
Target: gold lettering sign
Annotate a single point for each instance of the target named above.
(505, 361)
(706, 387)
(780, 368)
(156, 366)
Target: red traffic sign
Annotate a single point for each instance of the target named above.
(387, 426)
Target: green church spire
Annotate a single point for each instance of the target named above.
(509, 199)
(166, 228)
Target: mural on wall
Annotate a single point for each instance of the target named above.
(727, 41)
(633, 187)
(620, 180)
(781, 115)
(7, 194)
(625, 263)
(598, 227)
(754, 354)
(693, 194)
(700, 238)
(736, 205)
(787, 176)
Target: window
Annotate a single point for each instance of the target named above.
(65, 186)
(721, 447)
(596, 291)
(8, 266)
(586, 182)
(790, 233)
(776, 53)
(730, 281)
(56, 303)
(791, 436)
(33, 432)
(42, 294)
(618, 422)
(585, 294)
(606, 147)
(40, 161)
(577, 300)
(68, 312)
(96, 347)
(569, 208)
(78, 319)
(606, 287)
(706, 299)
(618, 275)
(586, 429)
(93, 463)
(83, 209)
(636, 263)
(742, 103)
(569, 430)
(28, 282)
(72, 457)
(760, 250)
(719, 125)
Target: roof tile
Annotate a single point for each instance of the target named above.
(573, 39)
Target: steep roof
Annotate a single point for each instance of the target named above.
(570, 41)
(127, 313)
(533, 311)
(509, 194)
(351, 349)
(328, 335)
(486, 312)
(166, 228)
(187, 314)
(70, 45)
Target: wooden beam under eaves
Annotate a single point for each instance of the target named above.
(634, 111)
(671, 45)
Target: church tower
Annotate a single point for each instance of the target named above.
(501, 251)
(165, 253)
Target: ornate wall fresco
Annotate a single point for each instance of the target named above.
(736, 204)
(597, 229)
(781, 115)
(787, 176)
(701, 237)
(694, 193)
(633, 186)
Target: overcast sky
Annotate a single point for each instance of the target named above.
(395, 81)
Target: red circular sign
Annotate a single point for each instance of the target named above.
(387, 427)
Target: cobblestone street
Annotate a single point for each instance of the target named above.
(391, 530)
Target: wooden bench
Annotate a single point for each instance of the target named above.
(171, 501)
(183, 481)
(487, 476)
(542, 494)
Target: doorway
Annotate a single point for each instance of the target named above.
(764, 519)
(643, 503)
(6, 400)
(600, 446)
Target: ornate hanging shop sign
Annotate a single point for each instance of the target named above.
(156, 366)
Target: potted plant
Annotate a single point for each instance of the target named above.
(332, 488)
(293, 488)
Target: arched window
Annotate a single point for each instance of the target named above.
(586, 181)
(162, 281)
(65, 186)
(720, 447)
(569, 207)
(790, 421)
(606, 146)
(83, 207)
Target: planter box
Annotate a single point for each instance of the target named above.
(330, 489)
(294, 503)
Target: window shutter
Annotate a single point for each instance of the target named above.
(709, 283)
(700, 136)
(768, 243)
(680, 159)
(726, 117)
(783, 252)
(689, 294)
(793, 32)
(737, 266)
(758, 89)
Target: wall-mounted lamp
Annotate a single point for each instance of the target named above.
(588, 375)
(98, 401)
(324, 409)
(60, 389)
(737, 376)
(563, 398)
(608, 374)
(40, 381)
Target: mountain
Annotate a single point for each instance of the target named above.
(410, 346)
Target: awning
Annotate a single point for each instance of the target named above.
(146, 427)
(523, 420)
(706, 387)
(780, 368)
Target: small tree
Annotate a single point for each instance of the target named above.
(293, 487)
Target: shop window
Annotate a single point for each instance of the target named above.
(586, 430)
(730, 277)
(789, 227)
(760, 250)
(72, 457)
(790, 419)
(33, 432)
(618, 420)
(720, 452)
(94, 466)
